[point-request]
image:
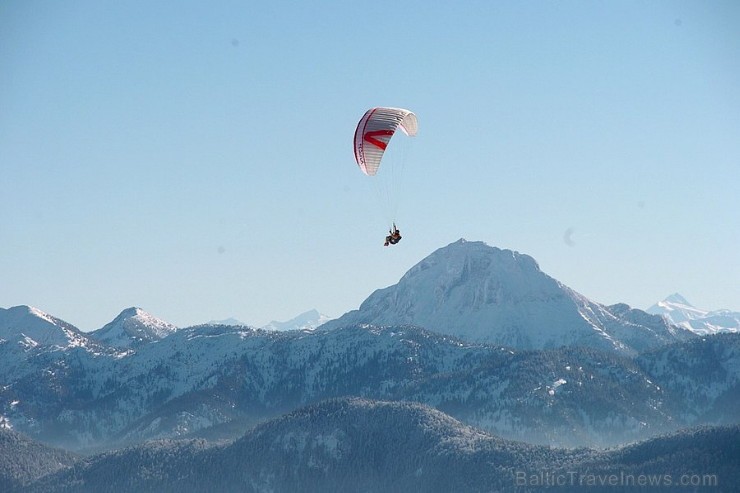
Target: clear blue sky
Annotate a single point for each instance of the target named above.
(195, 158)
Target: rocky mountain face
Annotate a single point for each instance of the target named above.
(356, 444)
(484, 294)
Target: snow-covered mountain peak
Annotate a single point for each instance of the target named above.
(473, 275)
(29, 323)
(133, 327)
(26, 313)
(676, 310)
(676, 298)
(131, 312)
(465, 251)
(486, 294)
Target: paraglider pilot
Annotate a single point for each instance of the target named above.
(394, 236)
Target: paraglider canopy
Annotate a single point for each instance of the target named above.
(375, 130)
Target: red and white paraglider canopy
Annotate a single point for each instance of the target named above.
(374, 132)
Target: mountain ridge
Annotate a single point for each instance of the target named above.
(362, 444)
(210, 376)
(598, 376)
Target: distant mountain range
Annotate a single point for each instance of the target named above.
(355, 444)
(228, 321)
(216, 381)
(472, 331)
(677, 311)
(305, 321)
(132, 328)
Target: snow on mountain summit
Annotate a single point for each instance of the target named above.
(676, 310)
(37, 327)
(133, 327)
(676, 298)
(486, 294)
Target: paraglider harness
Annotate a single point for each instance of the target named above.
(394, 236)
